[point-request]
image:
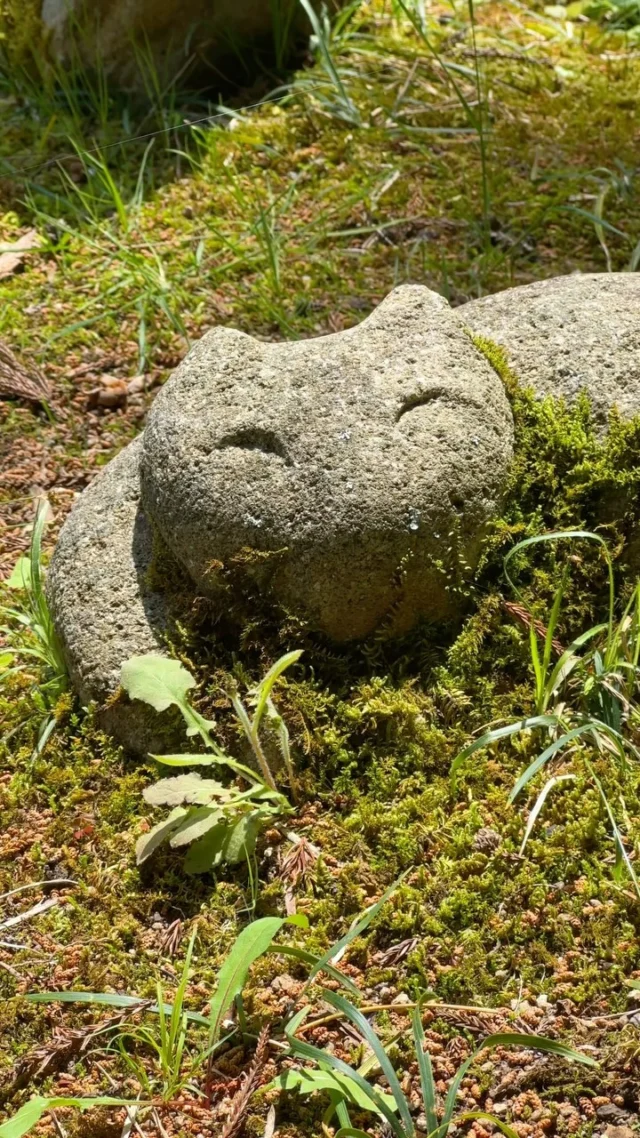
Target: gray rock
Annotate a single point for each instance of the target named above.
(103, 607)
(350, 475)
(180, 36)
(486, 840)
(570, 334)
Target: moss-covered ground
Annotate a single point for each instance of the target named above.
(482, 158)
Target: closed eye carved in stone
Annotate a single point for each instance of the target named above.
(422, 399)
(256, 438)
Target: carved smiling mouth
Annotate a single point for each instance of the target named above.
(256, 439)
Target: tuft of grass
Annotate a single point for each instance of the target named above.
(31, 638)
(587, 697)
(347, 1086)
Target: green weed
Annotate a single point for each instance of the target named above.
(332, 98)
(347, 1086)
(167, 1040)
(222, 822)
(31, 636)
(588, 696)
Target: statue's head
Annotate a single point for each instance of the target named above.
(349, 475)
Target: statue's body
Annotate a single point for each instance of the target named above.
(343, 477)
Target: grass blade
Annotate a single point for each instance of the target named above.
(354, 932)
(539, 803)
(252, 943)
(326, 1059)
(426, 1072)
(500, 733)
(361, 1023)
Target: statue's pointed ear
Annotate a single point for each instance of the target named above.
(409, 304)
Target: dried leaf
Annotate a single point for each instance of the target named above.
(240, 1104)
(396, 953)
(171, 938)
(520, 613)
(20, 381)
(66, 1044)
(12, 256)
(298, 861)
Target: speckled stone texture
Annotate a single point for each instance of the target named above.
(349, 476)
(357, 459)
(570, 334)
(102, 606)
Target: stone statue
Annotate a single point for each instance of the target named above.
(344, 478)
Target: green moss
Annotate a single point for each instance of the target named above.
(20, 29)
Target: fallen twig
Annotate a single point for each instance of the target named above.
(10, 970)
(369, 1009)
(60, 1130)
(50, 883)
(27, 914)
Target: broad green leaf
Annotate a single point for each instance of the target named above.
(196, 825)
(157, 681)
(230, 842)
(206, 853)
(298, 920)
(32, 1111)
(20, 576)
(306, 1081)
(241, 842)
(148, 843)
(324, 1059)
(185, 788)
(251, 944)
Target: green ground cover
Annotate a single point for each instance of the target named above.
(468, 155)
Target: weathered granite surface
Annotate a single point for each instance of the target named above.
(348, 475)
(570, 334)
(102, 604)
(345, 477)
(356, 458)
